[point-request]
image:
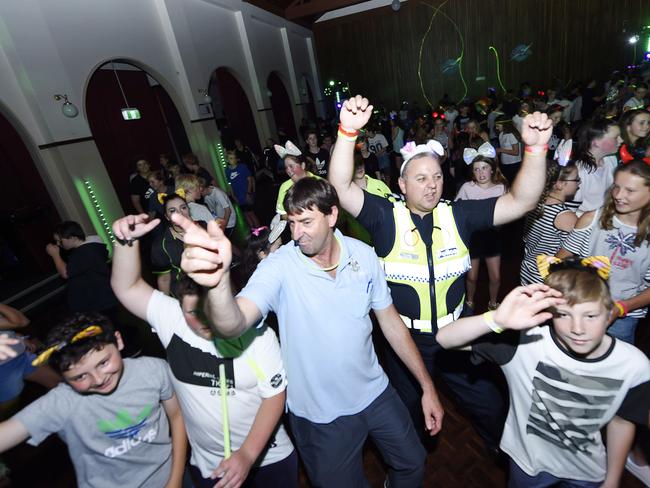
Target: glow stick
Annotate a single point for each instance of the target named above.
(223, 391)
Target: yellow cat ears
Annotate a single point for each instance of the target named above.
(547, 264)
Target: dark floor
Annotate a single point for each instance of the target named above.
(457, 461)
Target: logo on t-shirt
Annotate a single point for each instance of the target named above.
(128, 429)
(276, 381)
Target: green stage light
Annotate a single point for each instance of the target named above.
(95, 212)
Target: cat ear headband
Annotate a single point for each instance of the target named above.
(599, 264)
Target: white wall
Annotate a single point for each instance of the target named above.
(49, 47)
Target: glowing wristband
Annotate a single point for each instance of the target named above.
(223, 391)
(622, 309)
(488, 317)
(536, 151)
(353, 133)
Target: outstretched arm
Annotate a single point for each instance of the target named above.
(129, 287)
(206, 260)
(12, 433)
(355, 113)
(523, 308)
(402, 343)
(529, 183)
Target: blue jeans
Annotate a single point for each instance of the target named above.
(624, 329)
(333, 453)
(519, 479)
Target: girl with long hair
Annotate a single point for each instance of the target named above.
(620, 231)
(487, 182)
(509, 147)
(548, 225)
(598, 141)
(635, 127)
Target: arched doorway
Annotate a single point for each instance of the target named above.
(232, 110)
(27, 213)
(282, 108)
(117, 85)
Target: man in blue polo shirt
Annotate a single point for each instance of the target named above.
(322, 287)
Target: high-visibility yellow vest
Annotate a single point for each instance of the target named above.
(409, 262)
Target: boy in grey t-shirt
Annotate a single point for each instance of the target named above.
(114, 415)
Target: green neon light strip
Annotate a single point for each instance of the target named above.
(496, 55)
(435, 12)
(95, 212)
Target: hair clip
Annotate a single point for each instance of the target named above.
(90, 331)
(549, 264)
(289, 149)
(257, 230)
(486, 150)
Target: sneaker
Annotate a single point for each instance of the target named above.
(641, 472)
(493, 305)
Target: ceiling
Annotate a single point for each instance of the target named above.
(303, 12)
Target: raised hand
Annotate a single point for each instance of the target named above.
(207, 255)
(133, 227)
(526, 306)
(536, 129)
(6, 351)
(52, 249)
(355, 113)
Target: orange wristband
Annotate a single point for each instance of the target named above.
(542, 150)
(622, 309)
(348, 133)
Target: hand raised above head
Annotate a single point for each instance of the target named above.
(355, 113)
(536, 129)
(133, 227)
(527, 306)
(208, 253)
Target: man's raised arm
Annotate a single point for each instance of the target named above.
(355, 113)
(536, 130)
(206, 259)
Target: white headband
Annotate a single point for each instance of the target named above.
(289, 149)
(486, 150)
(432, 147)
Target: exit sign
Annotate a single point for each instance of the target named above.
(130, 113)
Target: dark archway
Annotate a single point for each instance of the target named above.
(282, 107)
(232, 110)
(27, 213)
(159, 130)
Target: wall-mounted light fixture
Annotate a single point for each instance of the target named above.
(206, 96)
(68, 108)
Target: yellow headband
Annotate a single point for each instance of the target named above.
(161, 196)
(90, 331)
(600, 264)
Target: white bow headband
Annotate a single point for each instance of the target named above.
(432, 147)
(289, 149)
(486, 150)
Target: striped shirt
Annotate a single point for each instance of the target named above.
(541, 236)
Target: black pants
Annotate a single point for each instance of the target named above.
(474, 387)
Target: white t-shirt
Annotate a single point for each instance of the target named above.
(377, 143)
(507, 141)
(194, 362)
(559, 402)
(594, 184)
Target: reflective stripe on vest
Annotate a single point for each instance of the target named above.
(407, 264)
